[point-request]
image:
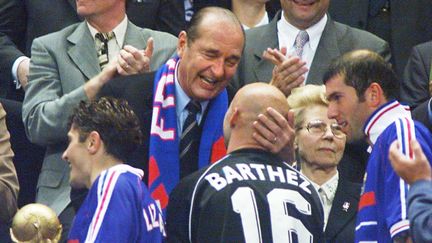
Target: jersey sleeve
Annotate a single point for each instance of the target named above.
(396, 189)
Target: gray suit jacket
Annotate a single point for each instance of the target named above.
(61, 63)
(336, 40)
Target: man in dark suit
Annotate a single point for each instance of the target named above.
(21, 21)
(326, 40)
(415, 86)
(403, 24)
(206, 63)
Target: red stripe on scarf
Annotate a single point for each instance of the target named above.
(218, 150)
(153, 170)
(161, 195)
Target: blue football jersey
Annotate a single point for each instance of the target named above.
(383, 207)
(118, 208)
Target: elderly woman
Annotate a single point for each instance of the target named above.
(319, 145)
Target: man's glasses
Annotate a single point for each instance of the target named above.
(319, 127)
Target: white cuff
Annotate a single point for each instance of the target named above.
(15, 70)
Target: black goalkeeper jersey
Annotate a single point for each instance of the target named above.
(248, 196)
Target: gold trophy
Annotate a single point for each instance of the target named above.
(36, 223)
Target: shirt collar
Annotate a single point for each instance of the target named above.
(383, 117)
(315, 31)
(329, 187)
(182, 99)
(263, 21)
(119, 31)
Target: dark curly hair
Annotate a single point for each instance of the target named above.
(114, 120)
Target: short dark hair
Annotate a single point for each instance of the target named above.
(192, 28)
(114, 120)
(360, 69)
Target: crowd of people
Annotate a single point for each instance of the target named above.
(216, 121)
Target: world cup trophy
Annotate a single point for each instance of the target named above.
(36, 223)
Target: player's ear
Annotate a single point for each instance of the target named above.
(94, 142)
(234, 117)
(374, 95)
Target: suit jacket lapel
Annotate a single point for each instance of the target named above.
(327, 50)
(83, 51)
(263, 68)
(135, 36)
(344, 207)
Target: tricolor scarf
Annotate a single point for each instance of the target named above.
(164, 142)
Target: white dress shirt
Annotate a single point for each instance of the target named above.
(263, 21)
(116, 43)
(327, 192)
(287, 34)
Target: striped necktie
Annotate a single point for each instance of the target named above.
(189, 140)
(102, 40)
(301, 39)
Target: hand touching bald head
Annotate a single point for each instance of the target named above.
(248, 103)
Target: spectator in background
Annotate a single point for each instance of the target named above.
(416, 171)
(361, 90)
(403, 24)
(72, 65)
(23, 21)
(118, 207)
(319, 39)
(251, 13)
(319, 144)
(9, 186)
(416, 86)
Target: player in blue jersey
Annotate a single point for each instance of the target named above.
(118, 207)
(362, 90)
(251, 195)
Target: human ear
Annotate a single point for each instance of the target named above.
(93, 142)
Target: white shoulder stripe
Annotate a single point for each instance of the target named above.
(405, 134)
(107, 182)
(405, 130)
